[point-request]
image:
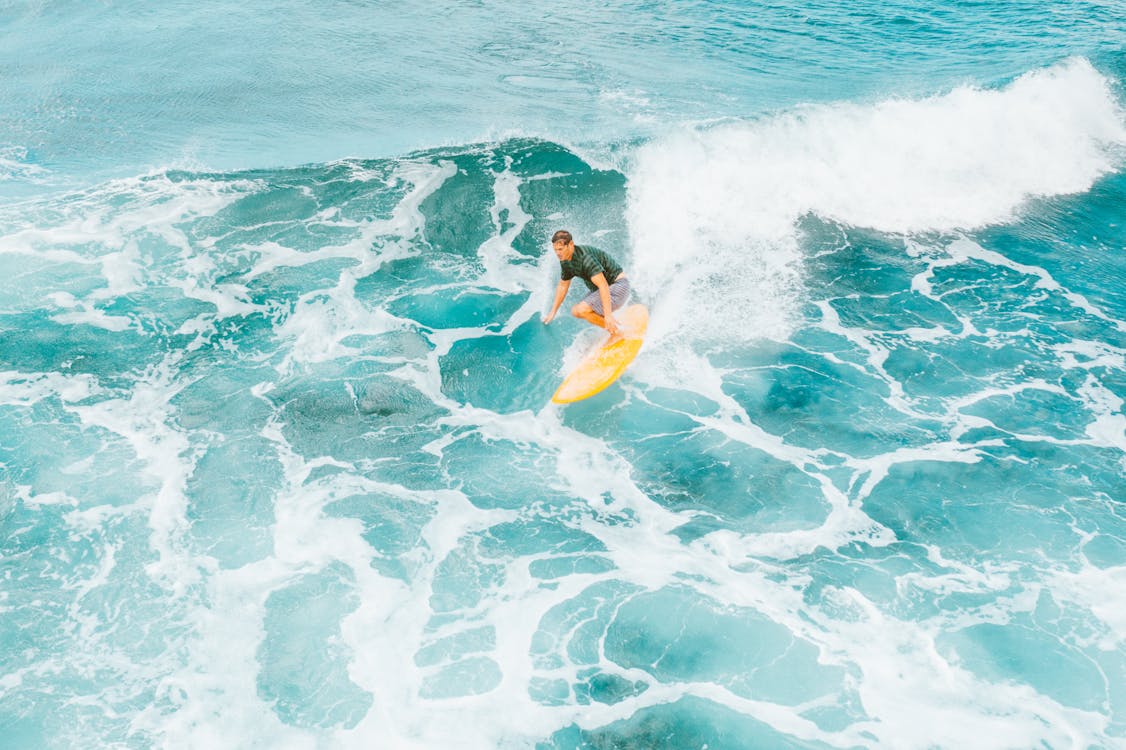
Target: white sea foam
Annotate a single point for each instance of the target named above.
(1088, 589)
(143, 419)
(1081, 354)
(962, 250)
(33, 500)
(24, 389)
(713, 209)
(14, 165)
(509, 219)
(314, 331)
(96, 318)
(103, 225)
(321, 319)
(1109, 425)
(396, 235)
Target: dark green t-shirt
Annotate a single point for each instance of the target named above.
(588, 262)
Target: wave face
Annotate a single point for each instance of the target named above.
(278, 468)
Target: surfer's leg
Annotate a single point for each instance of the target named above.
(586, 312)
(590, 309)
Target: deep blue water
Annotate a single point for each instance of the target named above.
(277, 463)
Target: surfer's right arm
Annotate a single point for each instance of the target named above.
(560, 295)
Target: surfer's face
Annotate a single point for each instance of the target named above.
(563, 249)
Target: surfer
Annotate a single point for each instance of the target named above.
(608, 285)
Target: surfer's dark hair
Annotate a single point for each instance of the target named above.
(562, 234)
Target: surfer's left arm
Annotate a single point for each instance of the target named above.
(607, 306)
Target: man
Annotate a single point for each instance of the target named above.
(609, 287)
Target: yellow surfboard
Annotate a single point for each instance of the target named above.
(605, 364)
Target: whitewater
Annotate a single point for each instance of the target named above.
(278, 466)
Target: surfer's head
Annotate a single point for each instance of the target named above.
(563, 244)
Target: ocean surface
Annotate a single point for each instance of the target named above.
(278, 467)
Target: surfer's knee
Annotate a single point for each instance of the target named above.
(581, 310)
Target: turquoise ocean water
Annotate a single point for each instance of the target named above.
(277, 463)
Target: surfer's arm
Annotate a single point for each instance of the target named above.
(604, 295)
(560, 295)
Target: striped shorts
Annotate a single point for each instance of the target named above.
(619, 293)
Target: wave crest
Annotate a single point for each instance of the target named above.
(718, 204)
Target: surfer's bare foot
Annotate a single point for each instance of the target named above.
(614, 338)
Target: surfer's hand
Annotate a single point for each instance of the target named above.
(548, 318)
(611, 324)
